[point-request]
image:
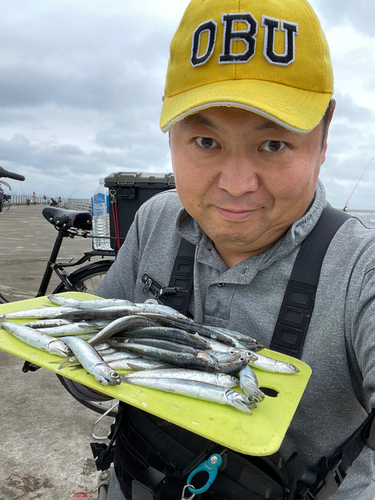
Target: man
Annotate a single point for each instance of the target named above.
(1, 199)
(248, 103)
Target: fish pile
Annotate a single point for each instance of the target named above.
(164, 349)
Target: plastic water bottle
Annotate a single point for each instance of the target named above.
(100, 218)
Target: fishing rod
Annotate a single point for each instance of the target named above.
(347, 201)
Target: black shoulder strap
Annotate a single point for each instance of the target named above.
(178, 293)
(298, 303)
(332, 470)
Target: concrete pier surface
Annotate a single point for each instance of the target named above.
(45, 434)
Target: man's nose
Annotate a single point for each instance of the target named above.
(239, 175)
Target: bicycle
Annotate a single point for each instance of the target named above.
(10, 175)
(86, 279)
(6, 203)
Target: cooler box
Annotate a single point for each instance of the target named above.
(127, 191)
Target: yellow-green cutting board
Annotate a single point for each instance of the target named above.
(258, 434)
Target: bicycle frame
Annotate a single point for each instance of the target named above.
(59, 268)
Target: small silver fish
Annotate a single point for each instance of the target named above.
(163, 344)
(218, 346)
(136, 364)
(198, 390)
(39, 312)
(165, 333)
(272, 365)
(79, 328)
(119, 324)
(92, 361)
(249, 384)
(47, 323)
(202, 360)
(100, 303)
(61, 300)
(160, 309)
(36, 338)
(114, 356)
(220, 379)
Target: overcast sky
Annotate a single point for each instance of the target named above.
(82, 80)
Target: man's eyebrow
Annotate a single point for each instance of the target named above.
(198, 119)
(268, 124)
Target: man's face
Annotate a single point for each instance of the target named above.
(243, 178)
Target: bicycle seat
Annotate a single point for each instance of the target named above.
(65, 219)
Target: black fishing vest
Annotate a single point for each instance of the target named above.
(153, 457)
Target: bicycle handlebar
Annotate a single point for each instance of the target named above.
(11, 175)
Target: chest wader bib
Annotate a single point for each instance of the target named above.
(154, 458)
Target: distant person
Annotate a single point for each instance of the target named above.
(53, 202)
(34, 198)
(1, 199)
(59, 201)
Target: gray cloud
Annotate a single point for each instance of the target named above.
(81, 89)
(359, 13)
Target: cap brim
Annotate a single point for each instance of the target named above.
(295, 109)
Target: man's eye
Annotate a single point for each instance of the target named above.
(206, 142)
(273, 146)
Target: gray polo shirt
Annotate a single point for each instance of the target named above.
(340, 343)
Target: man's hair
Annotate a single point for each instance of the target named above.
(325, 122)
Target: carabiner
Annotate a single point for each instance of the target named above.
(211, 466)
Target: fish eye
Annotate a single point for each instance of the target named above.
(206, 142)
(272, 146)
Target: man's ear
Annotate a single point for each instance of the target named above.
(328, 119)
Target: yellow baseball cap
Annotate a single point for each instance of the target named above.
(267, 56)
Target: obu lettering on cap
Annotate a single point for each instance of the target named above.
(270, 58)
(247, 36)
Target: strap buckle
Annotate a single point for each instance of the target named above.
(328, 482)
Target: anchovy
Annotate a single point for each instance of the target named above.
(233, 367)
(36, 338)
(61, 300)
(114, 356)
(161, 309)
(118, 325)
(240, 340)
(78, 328)
(202, 360)
(100, 303)
(47, 323)
(40, 312)
(91, 360)
(106, 352)
(272, 365)
(235, 335)
(163, 344)
(136, 364)
(190, 326)
(249, 384)
(198, 390)
(225, 357)
(172, 334)
(241, 351)
(104, 313)
(220, 379)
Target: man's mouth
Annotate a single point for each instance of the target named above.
(235, 214)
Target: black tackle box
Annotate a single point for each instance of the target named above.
(128, 190)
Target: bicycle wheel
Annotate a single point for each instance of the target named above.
(6, 205)
(87, 280)
(93, 400)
